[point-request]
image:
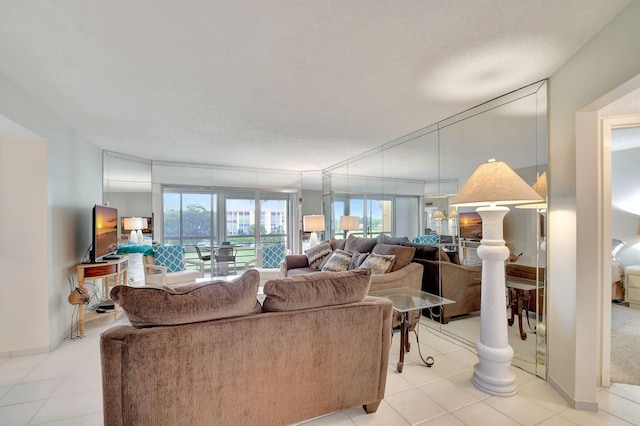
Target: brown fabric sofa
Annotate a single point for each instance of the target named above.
(403, 272)
(207, 354)
(455, 282)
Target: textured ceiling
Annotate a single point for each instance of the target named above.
(285, 84)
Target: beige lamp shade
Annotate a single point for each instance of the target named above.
(541, 188)
(349, 223)
(313, 223)
(494, 182)
(133, 223)
(453, 214)
(438, 215)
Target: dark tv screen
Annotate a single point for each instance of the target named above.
(470, 225)
(105, 232)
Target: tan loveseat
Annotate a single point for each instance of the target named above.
(206, 354)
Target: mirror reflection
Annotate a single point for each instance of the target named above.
(404, 190)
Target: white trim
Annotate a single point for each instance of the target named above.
(606, 125)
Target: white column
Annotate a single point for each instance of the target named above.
(493, 373)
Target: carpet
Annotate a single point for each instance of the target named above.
(625, 345)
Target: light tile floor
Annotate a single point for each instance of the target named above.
(63, 387)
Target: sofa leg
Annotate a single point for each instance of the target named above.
(372, 407)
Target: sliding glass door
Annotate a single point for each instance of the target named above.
(249, 219)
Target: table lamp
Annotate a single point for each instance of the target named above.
(493, 185)
(349, 223)
(313, 223)
(135, 225)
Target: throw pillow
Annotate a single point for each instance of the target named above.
(378, 263)
(356, 260)
(403, 255)
(363, 245)
(427, 239)
(399, 241)
(316, 290)
(316, 255)
(273, 255)
(337, 244)
(338, 261)
(170, 256)
(164, 305)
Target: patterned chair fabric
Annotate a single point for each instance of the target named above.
(427, 239)
(273, 255)
(170, 256)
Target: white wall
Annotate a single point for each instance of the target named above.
(72, 176)
(605, 62)
(23, 246)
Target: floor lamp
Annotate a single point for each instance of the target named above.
(494, 185)
(313, 223)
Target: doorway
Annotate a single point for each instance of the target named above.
(621, 143)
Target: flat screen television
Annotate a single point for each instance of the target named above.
(470, 225)
(105, 232)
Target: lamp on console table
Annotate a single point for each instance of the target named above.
(313, 223)
(135, 225)
(493, 185)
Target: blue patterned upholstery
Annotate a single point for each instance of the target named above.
(427, 239)
(170, 256)
(273, 255)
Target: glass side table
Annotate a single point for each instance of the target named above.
(405, 300)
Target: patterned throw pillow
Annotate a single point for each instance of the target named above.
(379, 263)
(170, 256)
(338, 261)
(315, 255)
(427, 239)
(273, 255)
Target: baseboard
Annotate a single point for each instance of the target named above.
(22, 352)
(573, 403)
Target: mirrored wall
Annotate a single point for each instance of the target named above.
(405, 188)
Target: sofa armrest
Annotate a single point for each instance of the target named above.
(294, 261)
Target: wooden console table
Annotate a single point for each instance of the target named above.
(111, 270)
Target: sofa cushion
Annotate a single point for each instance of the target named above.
(337, 244)
(316, 255)
(403, 254)
(316, 290)
(170, 256)
(379, 263)
(164, 305)
(399, 241)
(338, 261)
(356, 259)
(363, 245)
